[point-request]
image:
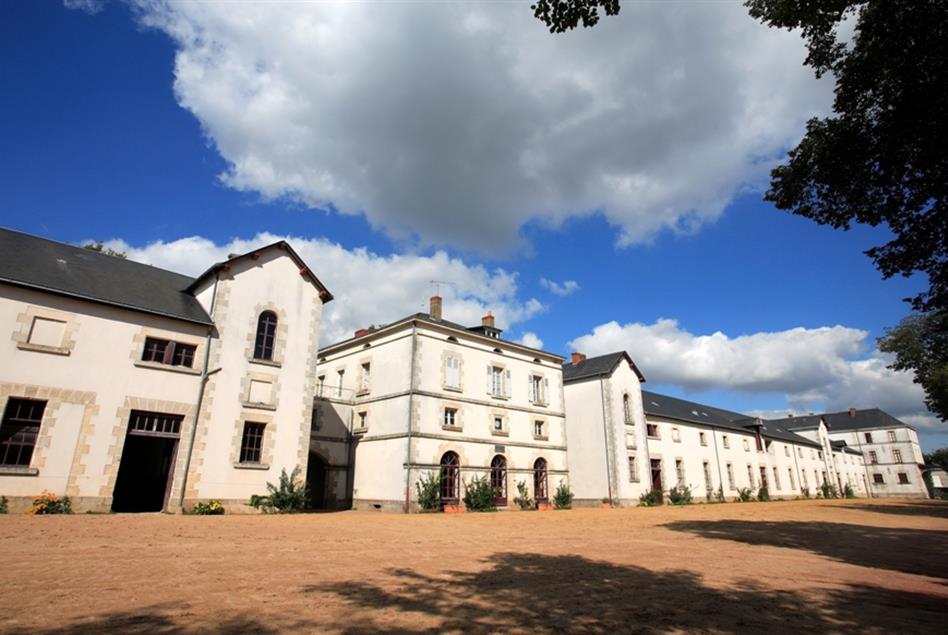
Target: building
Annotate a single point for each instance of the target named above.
(132, 388)
(423, 395)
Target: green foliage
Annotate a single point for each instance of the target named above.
(829, 490)
(920, 344)
(848, 491)
(49, 503)
(102, 249)
(763, 494)
(210, 508)
(3, 505)
(805, 491)
(563, 498)
(428, 488)
(680, 495)
(939, 457)
(523, 496)
(649, 498)
(565, 15)
(745, 494)
(719, 495)
(479, 495)
(288, 496)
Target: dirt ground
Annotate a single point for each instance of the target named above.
(868, 566)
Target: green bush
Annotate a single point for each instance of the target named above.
(829, 490)
(763, 494)
(49, 503)
(288, 496)
(523, 496)
(680, 495)
(745, 494)
(848, 491)
(479, 495)
(563, 498)
(805, 491)
(649, 498)
(719, 495)
(210, 508)
(429, 491)
(3, 504)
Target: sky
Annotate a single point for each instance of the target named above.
(597, 191)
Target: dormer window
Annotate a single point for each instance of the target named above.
(266, 336)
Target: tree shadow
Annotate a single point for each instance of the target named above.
(542, 593)
(933, 509)
(916, 551)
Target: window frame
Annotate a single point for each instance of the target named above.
(170, 353)
(265, 341)
(251, 443)
(26, 435)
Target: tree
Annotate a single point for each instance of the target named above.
(565, 15)
(939, 457)
(102, 249)
(920, 343)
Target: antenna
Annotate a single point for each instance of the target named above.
(437, 285)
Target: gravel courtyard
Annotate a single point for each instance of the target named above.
(868, 566)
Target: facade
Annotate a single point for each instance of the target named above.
(131, 388)
(425, 396)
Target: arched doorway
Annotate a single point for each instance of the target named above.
(316, 472)
(450, 478)
(540, 492)
(498, 480)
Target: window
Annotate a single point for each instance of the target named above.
(651, 429)
(47, 332)
(812, 454)
(539, 429)
(819, 453)
(903, 478)
(676, 434)
(363, 420)
(627, 409)
(450, 478)
(497, 423)
(878, 479)
(800, 452)
(708, 485)
(540, 480)
(633, 469)
(450, 417)
(747, 447)
(786, 450)
(897, 456)
(155, 423)
(702, 438)
(498, 480)
(803, 480)
(320, 385)
(750, 475)
(252, 442)
(891, 435)
(868, 437)
(266, 335)
(680, 471)
(498, 381)
(538, 388)
(759, 441)
(793, 485)
(873, 457)
(340, 375)
(730, 476)
(168, 352)
(776, 479)
(726, 442)
(366, 374)
(452, 372)
(19, 430)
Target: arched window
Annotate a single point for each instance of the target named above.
(450, 478)
(266, 335)
(498, 480)
(539, 480)
(627, 408)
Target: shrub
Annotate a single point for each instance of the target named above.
(649, 498)
(563, 498)
(829, 490)
(680, 495)
(523, 496)
(210, 508)
(719, 495)
(848, 491)
(288, 496)
(3, 504)
(805, 491)
(49, 503)
(479, 495)
(429, 491)
(763, 494)
(745, 494)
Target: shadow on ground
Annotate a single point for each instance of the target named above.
(916, 551)
(933, 509)
(541, 593)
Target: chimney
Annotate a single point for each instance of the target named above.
(852, 412)
(578, 358)
(488, 320)
(435, 308)
(361, 332)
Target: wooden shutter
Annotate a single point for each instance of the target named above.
(530, 391)
(546, 390)
(490, 379)
(507, 385)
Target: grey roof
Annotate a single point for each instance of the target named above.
(692, 412)
(844, 447)
(598, 367)
(39, 263)
(863, 419)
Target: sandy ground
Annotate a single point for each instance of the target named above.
(777, 567)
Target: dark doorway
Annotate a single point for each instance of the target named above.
(316, 481)
(656, 465)
(144, 475)
(450, 478)
(498, 480)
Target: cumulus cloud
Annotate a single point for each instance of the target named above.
(815, 369)
(88, 6)
(456, 123)
(531, 340)
(368, 288)
(565, 288)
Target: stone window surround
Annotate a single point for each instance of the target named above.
(269, 440)
(264, 377)
(546, 429)
(729, 470)
(138, 347)
(680, 477)
(364, 387)
(503, 432)
(544, 399)
(458, 420)
(676, 434)
(356, 419)
(633, 469)
(505, 388)
(279, 343)
(25, 321)
(445, 354)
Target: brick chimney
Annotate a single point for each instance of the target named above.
(578, 358)
(434, 309)
(852, 412)
(361, 332)
(488, 320)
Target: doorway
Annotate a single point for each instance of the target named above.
(316, 481)
(656, 465)
(148, 456)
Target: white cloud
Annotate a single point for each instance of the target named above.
(565, 288)
(819, 369)
(456, 123)
(368, 288)
(88, 6)
(531, 340)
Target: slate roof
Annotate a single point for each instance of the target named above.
(597, 367)
(54, 267)
(842, 445)
(864, 419)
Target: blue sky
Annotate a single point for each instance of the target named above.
(400, 153)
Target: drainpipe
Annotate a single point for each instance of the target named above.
(200, 397)
(350, 459)
(411, 411)
(865, 467)
(605, 437)
(717, 457)
(796, 464)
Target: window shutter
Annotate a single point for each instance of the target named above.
(490, 378)
(530, 386)
(546, 390)
(507, 386)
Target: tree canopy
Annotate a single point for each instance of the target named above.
(565, 15)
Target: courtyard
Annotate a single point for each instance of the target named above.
(825, 566)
